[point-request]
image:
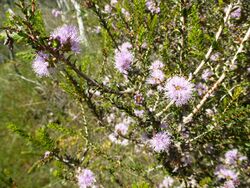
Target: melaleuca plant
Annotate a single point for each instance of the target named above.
(163, 98)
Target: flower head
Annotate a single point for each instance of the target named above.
(179, 90)
(152, 6)
(121, 128)
(138, 98)
(231, 156)
(236, 13)
(139, 113)
(56, 12)
(157, 64)
(156, 77)
(107, 8)
(201, 89)
(40, 64)
(224, 173)
(206, 74)
(160, 142)
(113, 2)
(167, 182)
(68, 37)
(123, 58)
(85, 178)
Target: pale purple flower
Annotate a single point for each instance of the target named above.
(121, 128)
(111, 118)
(157, 64)
(126, 46)
(156, 77)
(123, 58)
(160, 142)
(113, 2)
(224, 173)
(97, 29)
(107, 8)
(67, 36)
(206, 74)
(209, 112)
(144, 45)
(236, 13)
(179, 90)
(167, 182)
(139, 113)
(152, 6)
(113, 137)
(47, 154)
(56, 12)
(231, 156)
(138, 98)
(40, 65)
(215, 56)
(126, 14)
(201, 89)
(229, 184)
(85, 178)
(187, 159)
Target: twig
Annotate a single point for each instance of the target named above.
(188, 118)
(208, 54)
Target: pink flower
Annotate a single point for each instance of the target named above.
(85, 178)
(206, 74)
(201, 89)
(167, 182)
(152, 6)
(56, 12)
(138, 98)
(157, 64)
(121, 128)
(179, 90)
(107, 9)
(160, 142)
(123, 58)
(113, 2)
(224, 173)
(139, 113)
(68, 37)
(156, 77)
(40, 65)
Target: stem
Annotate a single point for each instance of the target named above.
(218, 34)
(188, 118)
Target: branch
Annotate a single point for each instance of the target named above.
(218, 34)
(188, 118)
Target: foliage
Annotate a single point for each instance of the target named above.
(153, 68)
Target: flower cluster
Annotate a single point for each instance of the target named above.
(228, 171)
(167, 182)
(56, 13)
(138, 98)
(179, 90)
(40, 65)
(123, 58)
(227, 174)
(85, 178)
(68, 37)
(233, 156)
(121, 129)
(160, 142)
(152, 6)
(156, 74)
(201, 89)
(236, 13)
(206, 74)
